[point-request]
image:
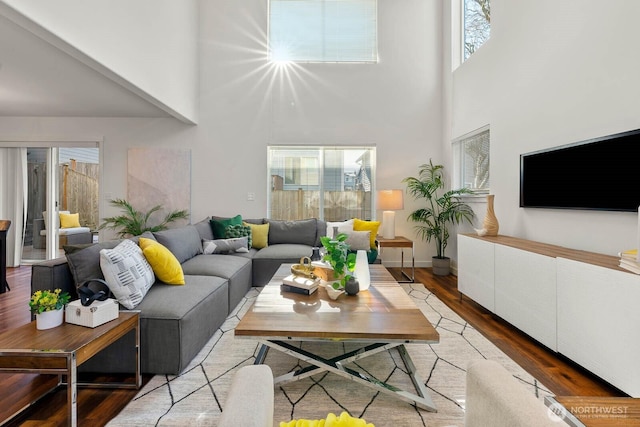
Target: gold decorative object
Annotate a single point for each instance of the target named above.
(304, 269)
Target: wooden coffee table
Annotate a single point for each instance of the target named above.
(62, 349)
(381, 318)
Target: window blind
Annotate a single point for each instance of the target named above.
(323, 30)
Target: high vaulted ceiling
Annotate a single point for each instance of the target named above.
(38, 78)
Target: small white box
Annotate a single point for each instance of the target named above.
(96, 314)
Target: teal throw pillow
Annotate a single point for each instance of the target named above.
(219, 225)
(235, 231)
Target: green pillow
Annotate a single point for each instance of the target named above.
(219, 225)
(235, 231)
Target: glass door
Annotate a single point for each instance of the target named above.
(60, 179)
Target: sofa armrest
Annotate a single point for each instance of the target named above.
(496, 398)
(53, 274)
(251, 388)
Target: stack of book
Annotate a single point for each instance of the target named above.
(629, 260)
(299, 284)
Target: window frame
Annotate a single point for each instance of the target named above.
(463, 35)
(274, 58)
(347, 181)
(459, 163)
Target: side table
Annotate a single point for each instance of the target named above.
(62, 349)
(402, 243)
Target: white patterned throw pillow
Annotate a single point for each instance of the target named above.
(127, 273)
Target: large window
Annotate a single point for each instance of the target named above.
(471, 158)
(476, 24)
(323, 30)
(330, 183)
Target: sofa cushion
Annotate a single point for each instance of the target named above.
(358, 240)
(164, 264)
(220, 224)
(180, 320)
(296, 232)
(69, 220)
(183, 242)
(127, 273)
(259, 235)
(84, 260)
(372, 226)
(343, 227)
(284, 251)
(236, 231)
(225, 246)
(204, 229)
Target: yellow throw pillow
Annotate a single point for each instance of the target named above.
(259, 235)
(165, 265)
(372, 226)
(69, 220)
(344, 420)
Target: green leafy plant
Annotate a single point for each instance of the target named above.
(442, 207)
(46, 300)
(134, 223)
(339, 258)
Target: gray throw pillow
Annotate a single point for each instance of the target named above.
(302, 232)
(225, 246)
(84, 263)
(358, 240)
(183, 242)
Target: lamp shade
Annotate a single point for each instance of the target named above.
(390, 200)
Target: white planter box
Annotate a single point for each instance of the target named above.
(96, 314)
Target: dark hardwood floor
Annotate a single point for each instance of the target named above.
(97, 406)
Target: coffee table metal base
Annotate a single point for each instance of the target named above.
(337, 366)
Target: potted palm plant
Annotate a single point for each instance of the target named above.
(441, 209)
(133, 222)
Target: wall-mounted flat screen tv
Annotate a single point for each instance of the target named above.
(598, 174)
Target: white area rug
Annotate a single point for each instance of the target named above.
(196, 397)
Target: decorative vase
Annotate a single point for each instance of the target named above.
(362, 270)
(49, 319)
(490, 224)
(352, 287)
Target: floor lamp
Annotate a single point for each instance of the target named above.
(389, 201)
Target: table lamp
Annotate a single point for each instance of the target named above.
(389, 201)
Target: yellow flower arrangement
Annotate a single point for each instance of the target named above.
(42, 301)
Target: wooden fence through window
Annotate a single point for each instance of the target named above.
(338, 205)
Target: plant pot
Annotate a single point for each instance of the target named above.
(441, 266)
(49, 319)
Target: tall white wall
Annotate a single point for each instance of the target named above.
(553, 73)
(150, 43)
(245, 105)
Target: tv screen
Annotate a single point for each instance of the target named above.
(598, 174)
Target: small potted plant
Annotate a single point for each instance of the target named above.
(48, 307)
(340, 259)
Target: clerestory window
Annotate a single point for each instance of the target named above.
(476, 25)
(323, 31)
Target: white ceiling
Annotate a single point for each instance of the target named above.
(39, 79)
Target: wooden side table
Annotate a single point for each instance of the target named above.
(62, 349)
(402, 243)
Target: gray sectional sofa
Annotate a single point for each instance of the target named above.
(177, 321)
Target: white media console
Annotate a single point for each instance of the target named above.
(577, 303)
